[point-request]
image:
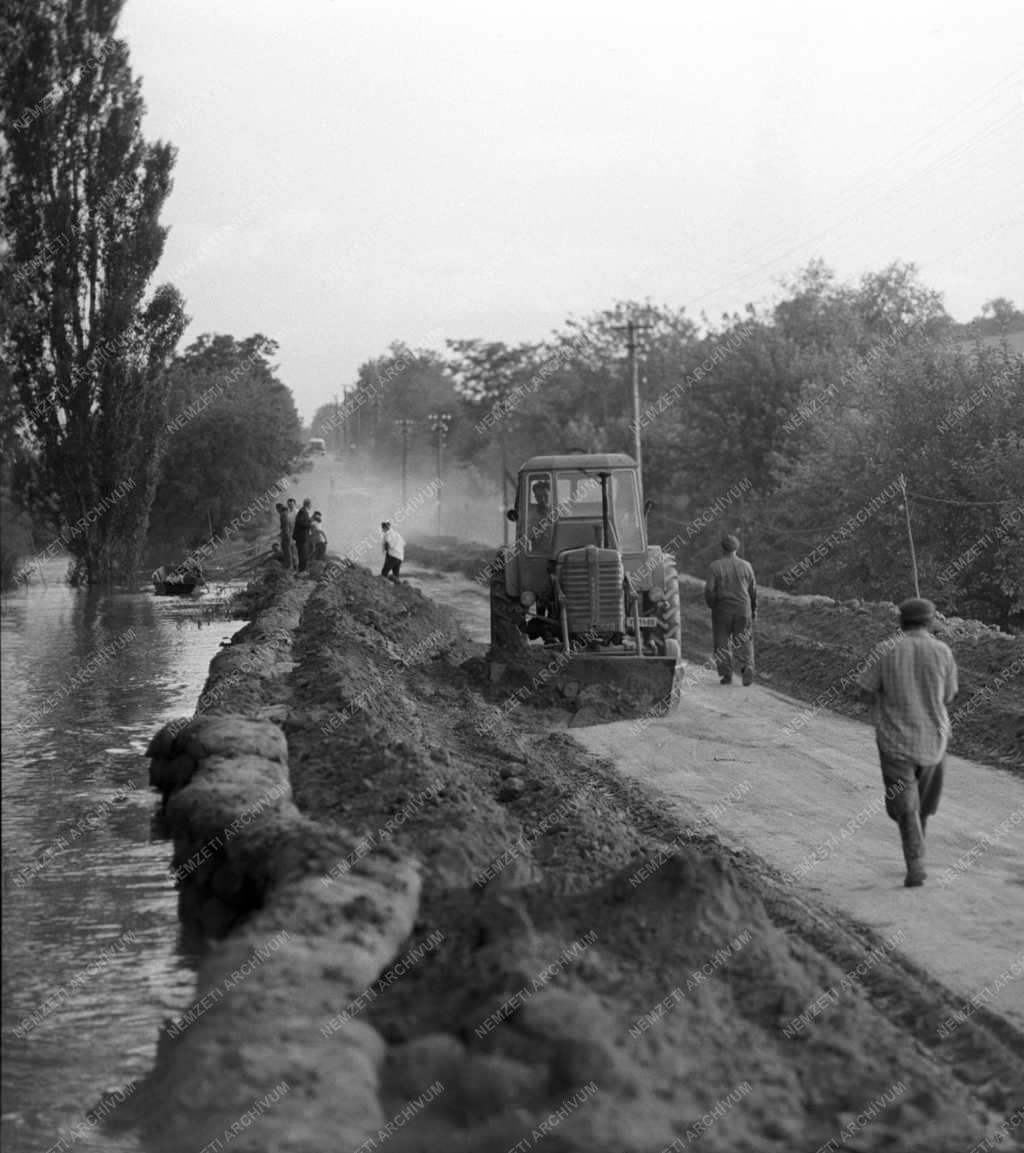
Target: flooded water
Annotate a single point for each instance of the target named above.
(92, 962)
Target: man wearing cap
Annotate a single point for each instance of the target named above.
(394, 551)
(731, 594)
(911, 681)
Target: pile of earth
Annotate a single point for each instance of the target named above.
(583, 963)
(813, 648)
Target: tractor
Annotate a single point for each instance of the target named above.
(581, 581)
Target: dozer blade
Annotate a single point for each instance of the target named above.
(594, 688)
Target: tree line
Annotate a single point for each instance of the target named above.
(829, 427)
(817, 427)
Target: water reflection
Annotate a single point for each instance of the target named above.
(90, 933)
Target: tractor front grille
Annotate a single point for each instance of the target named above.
(591, 582)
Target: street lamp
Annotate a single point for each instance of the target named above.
(405, 425)
(439, 422)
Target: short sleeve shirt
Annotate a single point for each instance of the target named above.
(913, 678)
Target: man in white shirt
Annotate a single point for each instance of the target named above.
(394, 551)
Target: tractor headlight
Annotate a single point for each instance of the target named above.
(528, 599)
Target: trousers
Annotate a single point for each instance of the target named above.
(912, 794)
(732, 627)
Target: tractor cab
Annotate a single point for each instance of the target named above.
(571, 502)
(578, 506)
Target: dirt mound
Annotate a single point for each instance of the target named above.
(582, 968)
(813, 648)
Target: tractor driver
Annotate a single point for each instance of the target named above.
(538, 524)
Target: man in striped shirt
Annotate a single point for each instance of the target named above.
(912, 680)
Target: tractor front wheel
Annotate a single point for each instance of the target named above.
(667, 634)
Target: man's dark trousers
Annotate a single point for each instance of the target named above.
(391, 567)
(912, 794)
(732, 625)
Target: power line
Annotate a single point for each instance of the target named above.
(962, 503)
(955, 152)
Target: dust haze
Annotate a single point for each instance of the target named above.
(355, 495)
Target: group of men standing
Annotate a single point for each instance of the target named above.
(302, 536)
(910, 682)
(302, 539)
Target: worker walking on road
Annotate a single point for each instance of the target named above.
(911, 681)
(731, 594)
(394, 551)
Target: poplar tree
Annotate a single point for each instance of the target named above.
(81, 193)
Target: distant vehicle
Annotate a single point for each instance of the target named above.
(317, 446)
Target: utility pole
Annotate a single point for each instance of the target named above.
(504, 483)
(405, 425)
(346, 416)
(439, 422)
(631, 328)
(910, 534)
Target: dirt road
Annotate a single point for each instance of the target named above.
(804, 792)
(802, 789)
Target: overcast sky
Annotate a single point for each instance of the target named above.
(353, 173)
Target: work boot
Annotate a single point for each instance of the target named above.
(748, 677)
(913, 848)
(726, 680)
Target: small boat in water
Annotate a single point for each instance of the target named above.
(182, 580)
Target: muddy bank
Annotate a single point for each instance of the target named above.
(577, 967)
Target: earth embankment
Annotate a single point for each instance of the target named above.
(582, 965)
